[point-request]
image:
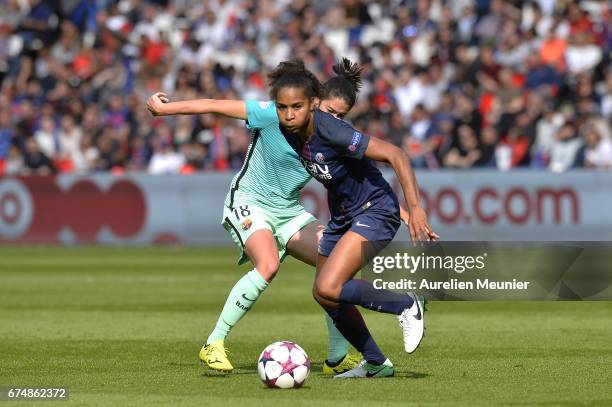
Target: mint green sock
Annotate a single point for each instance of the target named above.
(239, 301)
(337, 345)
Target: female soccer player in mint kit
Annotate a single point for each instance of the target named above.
(262, 211)
(363, 208)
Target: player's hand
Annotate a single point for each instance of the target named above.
(419, 227)
(155, 104)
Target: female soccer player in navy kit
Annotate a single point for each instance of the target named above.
(279, 224)
(363, 208)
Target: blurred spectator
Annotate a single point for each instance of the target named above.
(47, 137)
(418, 141)
(552, 50)
(466, 22)
(467, 153)
(409, 91)
(38, 25)
(6, 135)
(546, 128)
(165, 159)
(464, 83)
(70, 141)
(487, 146)
(581, 54)
(514, 148)
(13, 163)
(597, 152)
(540, 74)
(488, 26)
(35, 161)
(564, 149)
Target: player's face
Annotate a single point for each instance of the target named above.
(337, 107)
(294, 108)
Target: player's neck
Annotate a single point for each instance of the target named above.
(306, 132)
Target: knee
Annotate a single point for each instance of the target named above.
(315, 295)
(318, 298)
(326, 290)
(268, 268)
(326, 303)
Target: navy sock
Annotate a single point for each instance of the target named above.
(361, 292)
(351, 325)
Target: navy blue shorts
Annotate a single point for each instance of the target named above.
(378, 224)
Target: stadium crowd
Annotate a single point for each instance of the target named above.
(457, 84)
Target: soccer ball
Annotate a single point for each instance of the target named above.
(283, 365)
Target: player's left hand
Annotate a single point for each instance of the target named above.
(419, 227)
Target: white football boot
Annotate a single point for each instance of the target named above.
(412, 322)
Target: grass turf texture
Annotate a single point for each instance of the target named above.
(124, 326)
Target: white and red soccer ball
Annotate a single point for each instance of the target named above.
(283, 365)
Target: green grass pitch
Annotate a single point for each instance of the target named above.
(124, 326)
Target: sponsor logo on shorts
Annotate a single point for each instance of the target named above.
(355, 141)
(246, 224)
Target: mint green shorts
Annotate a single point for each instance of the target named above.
(244, 220)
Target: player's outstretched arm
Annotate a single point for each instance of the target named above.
(160, 105)
(380, 150)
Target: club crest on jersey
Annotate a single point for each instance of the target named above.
(319, 158)
(264, 105)
(355, 141)
(246, 224)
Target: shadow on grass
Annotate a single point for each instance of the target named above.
(398, 374)
(303, 388)
(216, 375)
(316, 369)
(180, 363)
(411, 375)
(238, 370)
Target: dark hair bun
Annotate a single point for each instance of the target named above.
(350, 71)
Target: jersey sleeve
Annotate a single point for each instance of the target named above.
(260, 113)
(347, 141)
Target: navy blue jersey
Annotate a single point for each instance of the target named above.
(334, 156)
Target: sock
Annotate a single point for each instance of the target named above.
(239, 301)
(337, 345)
(350, 323)
(361, 292)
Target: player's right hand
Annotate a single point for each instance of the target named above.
(155, 103)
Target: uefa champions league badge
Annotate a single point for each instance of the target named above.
(355, 141)
(246, 224)
(320, 158)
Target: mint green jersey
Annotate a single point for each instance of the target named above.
(272, 174)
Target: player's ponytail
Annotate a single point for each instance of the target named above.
(346, 83)
(295, 75)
